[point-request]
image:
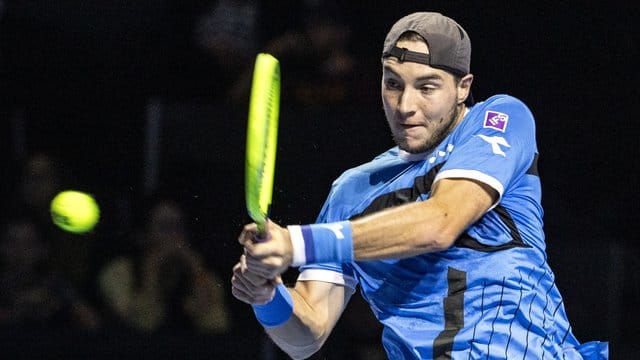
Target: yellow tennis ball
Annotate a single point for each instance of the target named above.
(75, 211)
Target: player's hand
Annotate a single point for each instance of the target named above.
(249, 287)
(269, 258)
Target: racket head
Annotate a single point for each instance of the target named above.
(262, 138)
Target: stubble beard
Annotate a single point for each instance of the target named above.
(440, 133)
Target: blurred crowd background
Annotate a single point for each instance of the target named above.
(143, 104)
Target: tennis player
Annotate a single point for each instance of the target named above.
(443, 233)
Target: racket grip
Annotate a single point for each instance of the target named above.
(277, 311)
(262, 237)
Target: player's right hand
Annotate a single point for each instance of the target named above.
(269, 258)
(250, 287)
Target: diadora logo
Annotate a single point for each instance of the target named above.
(335, 228)
(495, 120)
(496, 142)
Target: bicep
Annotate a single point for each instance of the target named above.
(464, 200)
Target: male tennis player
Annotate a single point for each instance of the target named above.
(443, 233)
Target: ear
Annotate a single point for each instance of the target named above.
(464, 87)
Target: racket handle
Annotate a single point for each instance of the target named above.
(262, 235)
(277, 311)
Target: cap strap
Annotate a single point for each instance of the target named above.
(404, 54)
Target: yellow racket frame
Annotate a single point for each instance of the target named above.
(262, 138)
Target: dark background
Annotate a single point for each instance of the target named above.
(82, 79)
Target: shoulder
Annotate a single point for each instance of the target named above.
(500, 112)
(503, 100)
(357, 184)
(376, 164)
(504, 103)
(363, 178)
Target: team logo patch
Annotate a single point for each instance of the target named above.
(496, 120)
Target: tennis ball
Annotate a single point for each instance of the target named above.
(75, 211)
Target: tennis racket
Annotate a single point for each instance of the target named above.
(262, 139)
(260, 161)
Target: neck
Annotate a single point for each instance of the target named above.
(461, 111)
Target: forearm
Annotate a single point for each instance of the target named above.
(398, 232)
(303, 334)
(404, 231)
(312, 320)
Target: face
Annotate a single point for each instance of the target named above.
(422, 104)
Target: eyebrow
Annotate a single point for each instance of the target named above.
(387, 68)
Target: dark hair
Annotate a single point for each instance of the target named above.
(412, 36)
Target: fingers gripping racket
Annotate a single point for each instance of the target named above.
(262, 141)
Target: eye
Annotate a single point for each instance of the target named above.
(428, 88)
(392, 84)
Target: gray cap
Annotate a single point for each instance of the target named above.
(449, 45)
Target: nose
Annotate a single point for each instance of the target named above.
(407, 102)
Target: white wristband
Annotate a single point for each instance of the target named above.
(297, 242)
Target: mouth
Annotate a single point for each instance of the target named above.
(409, 126)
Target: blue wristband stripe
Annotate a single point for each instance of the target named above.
(309, 244)
(325, 243)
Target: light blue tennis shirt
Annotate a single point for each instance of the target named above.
(492, 294)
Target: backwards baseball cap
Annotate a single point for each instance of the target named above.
(449, 45)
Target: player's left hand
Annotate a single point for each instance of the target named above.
(269, 258)
(252, 288)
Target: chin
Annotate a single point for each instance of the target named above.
(414, 148)
(420, 144)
